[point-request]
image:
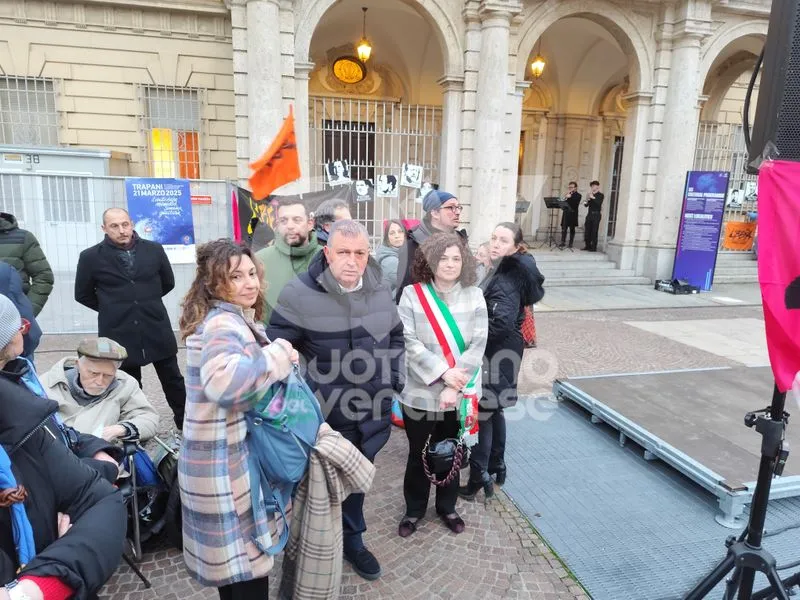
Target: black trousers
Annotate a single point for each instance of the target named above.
(419, 425)
(490, 451)
(171, 378)
(353, 523)
(255, 589)
(591, 227)
(564, 234)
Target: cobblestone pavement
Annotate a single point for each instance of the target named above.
(499, 555)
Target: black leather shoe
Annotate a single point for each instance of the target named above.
(499, 472)
(474, 485)
(365, 564)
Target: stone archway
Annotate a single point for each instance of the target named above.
(616, 21)
(722, 40)
(448, 32)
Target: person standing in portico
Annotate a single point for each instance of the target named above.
(123, 279)
(592, 224)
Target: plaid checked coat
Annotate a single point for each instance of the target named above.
(425, 362)
(312, 564)
(229, 367)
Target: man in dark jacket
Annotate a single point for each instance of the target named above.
(326, 215)
(442, 214)
(569, 220)
(21, 250)
(59, 494)
(590, 228)
(11, 287)
(124, 279)
(341, 318)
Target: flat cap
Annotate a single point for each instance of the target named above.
(102, 348)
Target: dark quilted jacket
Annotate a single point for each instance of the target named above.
(21, 250)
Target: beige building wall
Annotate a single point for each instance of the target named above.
(730, 109)
(102, 57)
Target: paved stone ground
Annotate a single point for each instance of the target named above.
(499, 555)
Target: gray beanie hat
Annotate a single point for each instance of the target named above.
(10, 321)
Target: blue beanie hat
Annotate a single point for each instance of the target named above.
(434, 199)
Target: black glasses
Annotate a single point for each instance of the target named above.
(455, 208)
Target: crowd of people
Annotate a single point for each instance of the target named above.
(420, 321)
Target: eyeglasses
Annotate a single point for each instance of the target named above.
(455, 208)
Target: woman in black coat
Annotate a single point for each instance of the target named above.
(76, 520)
(512, 283)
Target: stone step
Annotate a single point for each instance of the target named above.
(596, 280)
(586, 273)
(732, 278)
(735, 257)
(576, 266)
(735, 270)
(577, 256)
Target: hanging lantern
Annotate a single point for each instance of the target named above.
(364, 48)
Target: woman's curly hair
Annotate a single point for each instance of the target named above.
(431, 252)
(212, 282)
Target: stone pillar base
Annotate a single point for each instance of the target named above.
(643, 260)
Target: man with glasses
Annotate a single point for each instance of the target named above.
(442, 214)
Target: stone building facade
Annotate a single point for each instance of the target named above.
(198, 88)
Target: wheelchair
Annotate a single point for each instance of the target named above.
(152, 497)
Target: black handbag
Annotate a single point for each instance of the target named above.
(445, 457)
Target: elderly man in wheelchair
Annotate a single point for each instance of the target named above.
(94, 396)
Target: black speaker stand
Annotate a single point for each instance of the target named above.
(746, 555)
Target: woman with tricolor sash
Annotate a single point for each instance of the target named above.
(512, 283)
(445, 328)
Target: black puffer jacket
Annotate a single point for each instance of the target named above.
(21, 249)
(514, 284)
(56, 482)
(129, 306)
(353, 344)
(83, 445)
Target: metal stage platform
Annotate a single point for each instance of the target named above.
(693, 420)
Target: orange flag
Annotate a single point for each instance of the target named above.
(279, 165)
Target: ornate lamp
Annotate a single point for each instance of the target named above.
(364, 48)
(538, 63)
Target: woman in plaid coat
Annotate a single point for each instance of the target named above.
(230, 365)
(445, 270)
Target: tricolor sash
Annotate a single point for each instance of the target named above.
(453, 346)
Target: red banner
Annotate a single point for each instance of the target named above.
(779, 265)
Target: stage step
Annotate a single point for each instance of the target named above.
(596, 281)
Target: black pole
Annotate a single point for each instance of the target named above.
(770, 449)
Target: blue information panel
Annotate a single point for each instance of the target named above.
(161, 210)
(701, 223)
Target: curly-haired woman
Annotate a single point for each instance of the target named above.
(445, 325)
(230, 365)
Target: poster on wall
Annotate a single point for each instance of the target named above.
(426, 187)
(704, 200)
(338, 172)
(411, 176)
(364, 191)
(161, 210)
(386, 186)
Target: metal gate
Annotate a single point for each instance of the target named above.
(375, 138)
(720, 147)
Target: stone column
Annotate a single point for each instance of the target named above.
(515, 130)
(488, 204)
(301, 125)
(452, 94)
(264, 93)
(678, 135)
(622, 248)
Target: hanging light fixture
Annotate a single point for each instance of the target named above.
(364, 48)
(538, 63)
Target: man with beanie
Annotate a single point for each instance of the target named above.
(442, 214)
(124, 279)
(294, 248)
(94, 396)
